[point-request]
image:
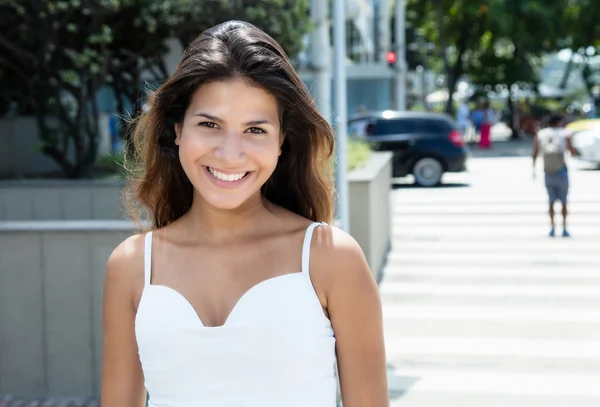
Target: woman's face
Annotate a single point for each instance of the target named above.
(229, 142)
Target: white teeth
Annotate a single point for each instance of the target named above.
(226, 177)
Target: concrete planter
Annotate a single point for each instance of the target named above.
(30, 200)
(370, 222)
(61, 200)
(52, 274)
(51, 282)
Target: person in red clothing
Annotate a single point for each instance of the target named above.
(485, 141)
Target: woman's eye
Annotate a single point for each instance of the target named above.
(210, 125)
(256, 130)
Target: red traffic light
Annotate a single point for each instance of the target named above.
(391, 57)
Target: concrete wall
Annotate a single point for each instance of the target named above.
(370, 212)
(51, 279)
(19, 148)
(61, 199)
(101, 199)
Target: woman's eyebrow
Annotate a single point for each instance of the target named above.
(257, 122)
(208, 116)
(250, 123)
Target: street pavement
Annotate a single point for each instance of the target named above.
(481, 307)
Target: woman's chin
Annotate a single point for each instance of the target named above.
(228, 201)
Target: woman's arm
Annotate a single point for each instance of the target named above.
(354, 307)
(122, 378)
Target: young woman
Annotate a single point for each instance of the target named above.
(239, 294)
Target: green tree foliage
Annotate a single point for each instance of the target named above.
(454, 26)
(498, 43)
(55, 55)
(518, 33)
(582, 35)
(285, 20)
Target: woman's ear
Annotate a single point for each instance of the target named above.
(177, 133)
(281, 140)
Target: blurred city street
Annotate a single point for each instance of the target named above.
(481, 307)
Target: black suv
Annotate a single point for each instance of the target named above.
(424, 144)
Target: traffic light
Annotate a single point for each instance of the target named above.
(391, 58)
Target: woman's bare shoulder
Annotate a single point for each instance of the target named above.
(338, 257)
(125, 264)
(332, 243)
(288, 221)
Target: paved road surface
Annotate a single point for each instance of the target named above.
(481, 308)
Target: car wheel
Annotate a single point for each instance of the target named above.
(428, 172)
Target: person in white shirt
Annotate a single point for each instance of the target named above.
(552, 143)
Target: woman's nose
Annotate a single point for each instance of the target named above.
(230, 150)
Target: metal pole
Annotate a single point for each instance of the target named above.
(400, 31)
(382, 24)
(320, 55)
(341, 169)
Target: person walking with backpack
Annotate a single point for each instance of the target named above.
(552, 143)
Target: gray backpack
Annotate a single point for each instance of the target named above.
(553, 153)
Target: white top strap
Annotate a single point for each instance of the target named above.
(306, 246)
(147, 258)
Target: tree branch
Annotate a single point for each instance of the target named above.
(9, 66)
(439, 16)
(25, 58)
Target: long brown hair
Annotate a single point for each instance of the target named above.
(302, 180)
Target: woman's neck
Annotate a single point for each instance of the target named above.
(205, 222)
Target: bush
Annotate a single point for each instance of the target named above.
(358, 153)
(110, 166)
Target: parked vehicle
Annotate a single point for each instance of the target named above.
(425, 145)
(587, 143)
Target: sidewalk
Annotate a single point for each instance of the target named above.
(8, 401)
(502, 145)
(481, 308)
(503, 148)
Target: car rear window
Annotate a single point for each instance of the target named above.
(395, 126)
(404, 126)
(434, 126)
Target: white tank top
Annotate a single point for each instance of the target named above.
(276, 348)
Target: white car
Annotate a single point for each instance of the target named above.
(587, 142)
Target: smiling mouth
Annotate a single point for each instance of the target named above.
(231, 177)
